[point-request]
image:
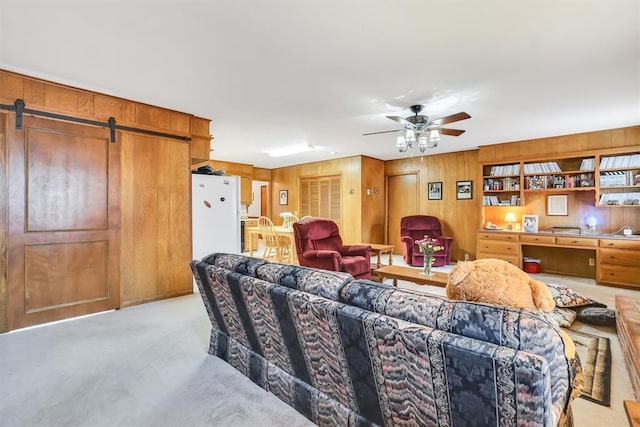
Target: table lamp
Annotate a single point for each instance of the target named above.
(592, 222)
(510, 218)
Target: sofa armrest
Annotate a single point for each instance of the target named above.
(324, 259)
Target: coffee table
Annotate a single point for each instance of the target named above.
(398, 272)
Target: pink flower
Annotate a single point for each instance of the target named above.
(428, 246)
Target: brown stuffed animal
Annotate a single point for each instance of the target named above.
(497, 282)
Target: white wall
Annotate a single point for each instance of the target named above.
(254, 208)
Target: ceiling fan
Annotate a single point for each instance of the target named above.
(418, 128)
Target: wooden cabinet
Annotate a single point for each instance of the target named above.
(246, 190)
(619, 262)
(247, 237)
(200, 140)
(502, 246)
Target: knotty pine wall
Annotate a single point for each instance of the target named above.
(460, 218)
(362, 213)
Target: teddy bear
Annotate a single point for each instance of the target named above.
(495, 281)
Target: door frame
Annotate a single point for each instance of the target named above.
(415, 172)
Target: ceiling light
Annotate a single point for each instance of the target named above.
(292, 149)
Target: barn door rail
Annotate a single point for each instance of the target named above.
(19, 108)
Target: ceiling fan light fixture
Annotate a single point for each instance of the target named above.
(422, 143)
(410, 136)
(434, 135)
(401, 144)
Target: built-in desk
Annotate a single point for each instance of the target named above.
(606, 258)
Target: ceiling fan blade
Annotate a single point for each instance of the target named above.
(449, 119)
(384, 131)
(450, 132)
(402, 120)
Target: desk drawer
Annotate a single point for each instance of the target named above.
(498, 236)
(515, 259)
(538, 239)
(620, 243)
(505, 248)
(620, 275)
(619, 257)
(576, 241)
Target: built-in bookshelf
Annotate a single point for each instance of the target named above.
(614, 179)
(619, 180)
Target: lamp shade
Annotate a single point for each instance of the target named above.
(510, 217)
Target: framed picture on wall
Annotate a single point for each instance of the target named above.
(530, 223)
(464, 190)
(557, 204)
(435, 191)
(284, 197)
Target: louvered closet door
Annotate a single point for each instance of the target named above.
(63, 221)
(321, 196)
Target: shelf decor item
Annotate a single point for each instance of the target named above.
(557, 205)
(427, 247)
(530, 223)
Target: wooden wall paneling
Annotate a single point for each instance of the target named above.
(163, 239)
(3, 222)
(287, 179)
(11, 87)
(180, 219)
(156, 231)
(261, 174)
(34, 93)
(145, 219)
(127, 211)
(599, 140)
(373, 201)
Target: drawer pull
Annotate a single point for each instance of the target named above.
(574, 241)
(610, 244)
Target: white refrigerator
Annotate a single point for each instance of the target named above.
(215, 222)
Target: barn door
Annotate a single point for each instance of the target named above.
(63, 221)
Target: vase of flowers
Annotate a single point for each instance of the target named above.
(427, 247)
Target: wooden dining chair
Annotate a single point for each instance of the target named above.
(273, 247)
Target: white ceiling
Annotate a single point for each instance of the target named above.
(271, 73)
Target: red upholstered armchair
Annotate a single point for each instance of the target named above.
(415, 227)
(319, 245)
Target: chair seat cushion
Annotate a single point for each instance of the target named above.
(354, 265)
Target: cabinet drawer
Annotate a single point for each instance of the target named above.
(506, 248)
(620, 243)
(538, 239)
(620, 275)
(498, 236)
(619, 257)
(576, 241)
(515, 260)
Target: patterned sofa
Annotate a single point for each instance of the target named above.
(348, 352)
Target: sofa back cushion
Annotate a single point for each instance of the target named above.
(518, 329)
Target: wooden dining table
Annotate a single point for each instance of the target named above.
(280, 232)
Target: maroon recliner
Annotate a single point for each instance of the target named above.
(319, 245)
(414, 228)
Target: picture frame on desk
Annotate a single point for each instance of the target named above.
(530, 223)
